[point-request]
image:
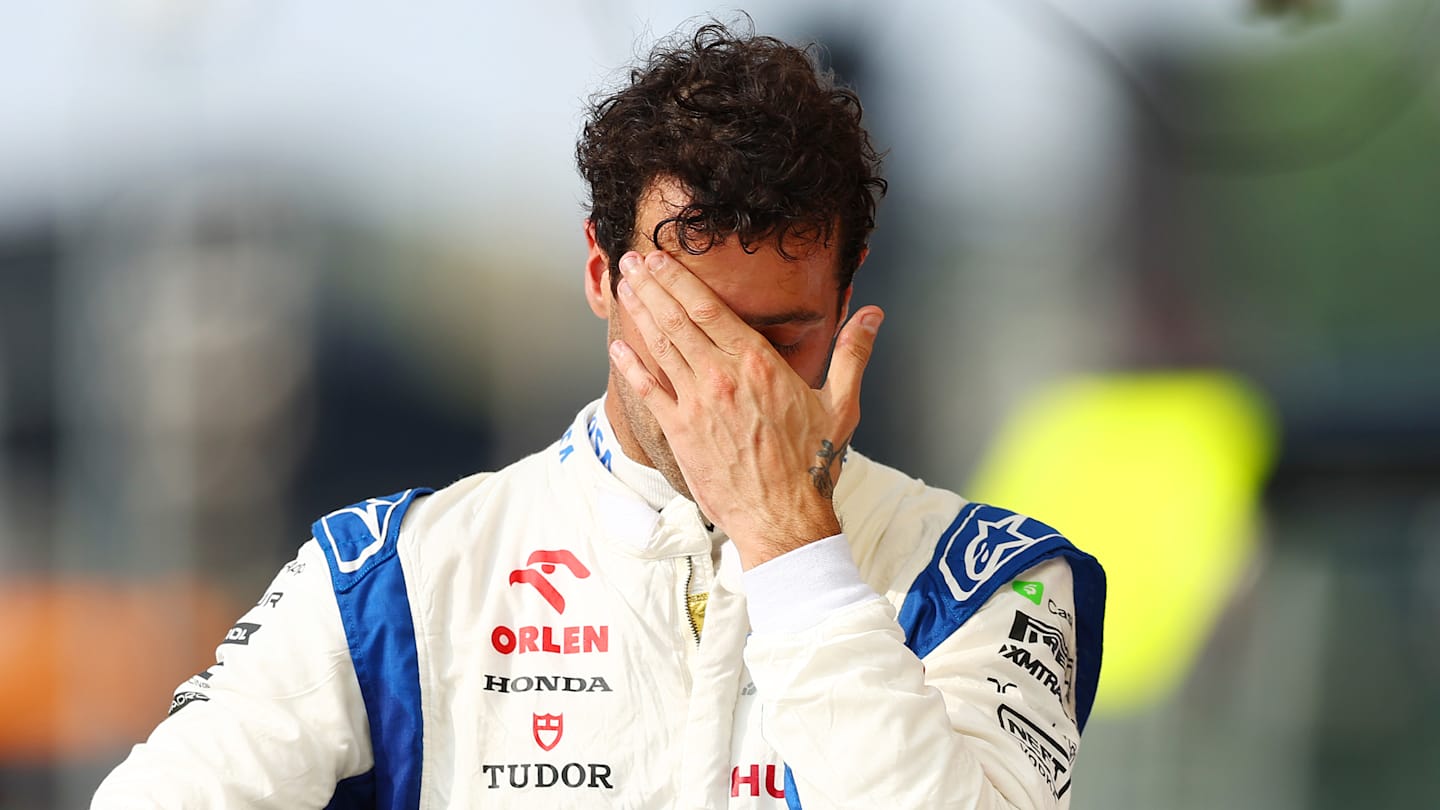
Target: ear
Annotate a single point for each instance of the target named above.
(597, 275)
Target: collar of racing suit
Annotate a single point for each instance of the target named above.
(633, 506)
(647, 482)
(627, 520)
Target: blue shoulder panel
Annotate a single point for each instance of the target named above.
(360, 546)
(982, 550)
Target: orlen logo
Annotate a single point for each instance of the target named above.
(562, 640)
(547, 562)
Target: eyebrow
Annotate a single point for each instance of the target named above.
(794, 316)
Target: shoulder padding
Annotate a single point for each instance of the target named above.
(360, 537)
(360, 543)
(984, 548)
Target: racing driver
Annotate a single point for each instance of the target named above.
(698, 596)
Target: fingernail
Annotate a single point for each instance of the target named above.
(655, 260)
(870, 322)
(617, 349)
(625, 291)
(628, 263)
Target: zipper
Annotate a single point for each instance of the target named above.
(685, 600)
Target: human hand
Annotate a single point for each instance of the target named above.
(758, 447)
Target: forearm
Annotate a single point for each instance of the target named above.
(863, 723)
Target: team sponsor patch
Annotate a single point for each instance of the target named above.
(566, 446)
(1027, 629)
(1030, 590)
(183, 699)
(592, 775)
(241, 633)
(597, 443)
(1056, 610)
(1001, 688)
(1021, 657)
(752, 780)
(270, 599)
(1050, 760)
(547, 730)
(558, 640)
(544, 683)
(538, 568)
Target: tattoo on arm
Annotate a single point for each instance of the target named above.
(820, 473)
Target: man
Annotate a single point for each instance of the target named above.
(691, 599)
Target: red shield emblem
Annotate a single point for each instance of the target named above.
(547, 729)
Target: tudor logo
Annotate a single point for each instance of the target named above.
(374, 517)
(992, 537)
(543, 563)
(547, 728)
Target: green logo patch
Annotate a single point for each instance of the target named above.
(1030, 590)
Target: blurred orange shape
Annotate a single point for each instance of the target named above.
(89, 665)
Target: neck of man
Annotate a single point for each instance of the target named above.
(628, 461)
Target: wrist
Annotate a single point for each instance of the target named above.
(762, 544)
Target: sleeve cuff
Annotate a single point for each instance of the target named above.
(800, 588)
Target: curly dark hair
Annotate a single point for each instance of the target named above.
(759, 136)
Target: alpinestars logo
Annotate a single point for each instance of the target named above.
(990, 538)
(540, 565)
(547, 729)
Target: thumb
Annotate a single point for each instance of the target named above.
(852, 353)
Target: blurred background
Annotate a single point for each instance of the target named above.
(1159, 273)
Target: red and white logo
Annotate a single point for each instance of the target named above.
(548, 729)
(562, 640)
(542, 563)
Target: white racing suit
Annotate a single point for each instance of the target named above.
(528, 638)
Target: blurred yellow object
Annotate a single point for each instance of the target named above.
(1159, 476)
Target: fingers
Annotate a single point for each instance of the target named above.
(661, 322)
(712, 318)
(660, 401)
(852, 354)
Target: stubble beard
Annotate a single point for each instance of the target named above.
(644, 431)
